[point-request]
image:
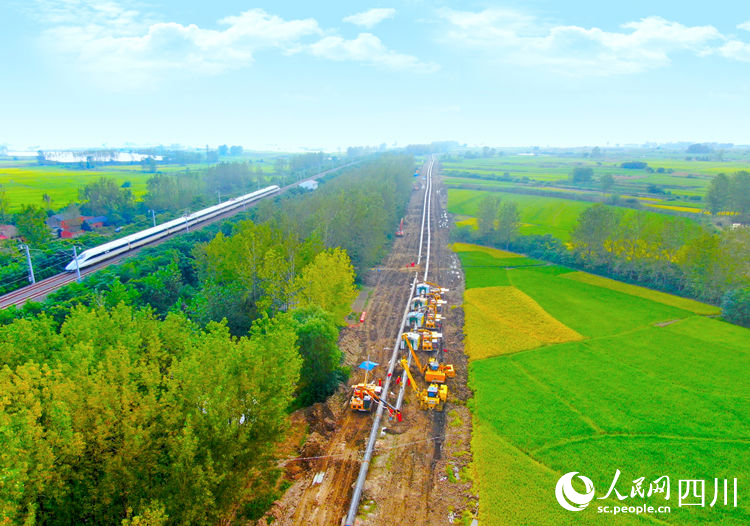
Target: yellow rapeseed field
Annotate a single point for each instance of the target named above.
(468, 247)
(642, 292)
(472, 221)
(690, 209)
(503, 320)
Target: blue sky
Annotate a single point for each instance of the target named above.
(293, 75)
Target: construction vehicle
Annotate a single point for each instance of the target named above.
(428, 287)
(434, 371)
(366, 396)
(433, 321)
(428, 338)
(433, 398)
(400, 231)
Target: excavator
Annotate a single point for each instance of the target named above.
(428, 338)
(428, 288)
(432, 320)
(434, 371)
(366, 396)
(400, 231)
(433, 398)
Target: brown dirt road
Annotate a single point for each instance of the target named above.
(409, 480)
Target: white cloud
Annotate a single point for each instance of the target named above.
(515, 37)
(744, 25)
(125, 48)
(367, 49)
(736, 50)
(371, 17)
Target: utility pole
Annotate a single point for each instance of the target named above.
(187, 227)
(218, 192)
(75, 258)
(153, 216)
(32, 279)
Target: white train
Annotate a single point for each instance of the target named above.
(94, 255)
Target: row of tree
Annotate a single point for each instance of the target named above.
(117, 414)
(729, 193)
(498, 221)
(155, 391)
(673, 254)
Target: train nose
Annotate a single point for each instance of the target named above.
(70, 267)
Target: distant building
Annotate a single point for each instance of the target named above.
(93, 222)
(66, 223)
(8, 232)
(309, 185)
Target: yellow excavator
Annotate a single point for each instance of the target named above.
(366, 396)
(434, 371)
(433, 398)
(427, 339)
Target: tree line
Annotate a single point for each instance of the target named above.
(154, 392)
(729, 193)
(671, 254)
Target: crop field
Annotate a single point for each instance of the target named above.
(641, 381)
(681, 183)
(642, 292)
(539, 214)
(25, 182)
(503, 320)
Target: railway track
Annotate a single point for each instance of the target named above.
(41, 289)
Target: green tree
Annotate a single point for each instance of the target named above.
(122, 415)
(582, 174)
(322, 372)
(31, 224)
(718, 194)
(487, 215)
(591, 233)
(606, 182)
(105, 197)
(735, 306)
(328, 282)
(508, 223)
(740, 192)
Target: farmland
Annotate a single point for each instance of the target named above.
(641, 381)
(26, 182)
(539, 214)
(670, 182)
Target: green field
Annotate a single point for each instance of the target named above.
(539, 215)
(653, 389)
(681, 182)
(26, 182)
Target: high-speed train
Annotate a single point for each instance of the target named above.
(94, 255)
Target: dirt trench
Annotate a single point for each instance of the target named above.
(409, 480)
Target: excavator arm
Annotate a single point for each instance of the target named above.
(405, 365)
(381, 401)
(413, 354)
